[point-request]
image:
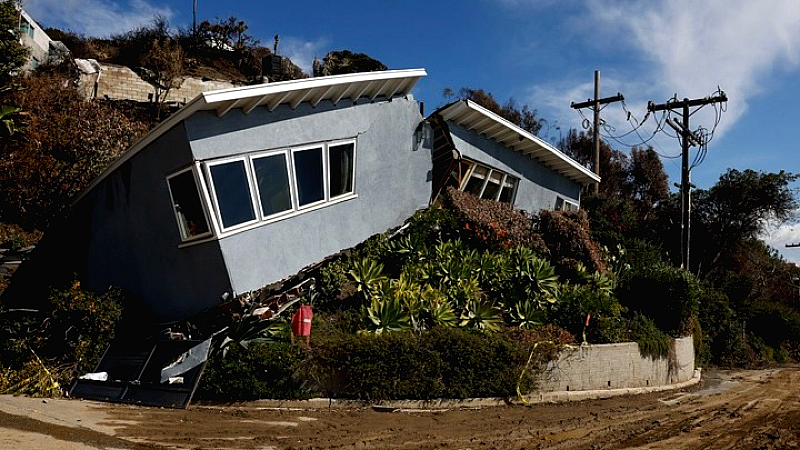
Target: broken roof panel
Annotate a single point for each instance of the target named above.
(472, 116)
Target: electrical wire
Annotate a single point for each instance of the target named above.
(705, 136)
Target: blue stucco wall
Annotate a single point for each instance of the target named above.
(392, 180)
(538, 187)
(133, 239)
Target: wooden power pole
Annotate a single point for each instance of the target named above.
(687, 138)
(595, 104)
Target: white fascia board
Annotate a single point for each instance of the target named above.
(562, 163)
(268, 89)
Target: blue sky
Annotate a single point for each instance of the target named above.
(544, 53)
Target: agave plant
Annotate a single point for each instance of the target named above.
(527, 314)
(385, 315)
(491, 271)
(442, 315)
(529, 275)
(368, 275)
(252, 330)
(602, 282)
(481, 315)
(436, 310)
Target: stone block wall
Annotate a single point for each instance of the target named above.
(122, 83)
(616, 366)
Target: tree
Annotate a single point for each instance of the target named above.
(614, 165)
(647, 177)
(162, 66)
(738, 209)
(13, 55)
(525, 117)
(226, 34)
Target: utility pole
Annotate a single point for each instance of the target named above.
(687, 138)
(194, 16)
(595, 104)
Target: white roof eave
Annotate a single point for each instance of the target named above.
(463, 112)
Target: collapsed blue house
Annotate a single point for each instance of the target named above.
(243, 187)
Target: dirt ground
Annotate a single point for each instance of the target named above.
(728, 410)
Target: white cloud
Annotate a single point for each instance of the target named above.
(696, 46)
(778, 237)
(678, 47)
(95, 18)
(302, 52)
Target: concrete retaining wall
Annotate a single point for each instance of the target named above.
(617, 366)
(122, 83)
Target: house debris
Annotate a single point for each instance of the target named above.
(165, 370)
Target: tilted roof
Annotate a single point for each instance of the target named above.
(352, 86)
(472, 116)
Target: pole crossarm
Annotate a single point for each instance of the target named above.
(792, 245)
(675, 104)
(602, 101)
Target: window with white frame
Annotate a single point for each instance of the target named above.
(563, 204)
(265, 186)
(271, 173)
(309, 173)
(231, 193)
(487, 183)
(186, 203)
(341, 169)
(26, 27)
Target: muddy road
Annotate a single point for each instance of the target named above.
(728, 410)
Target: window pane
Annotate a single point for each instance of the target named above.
(341, 169)
(492, 186)
(233, 193)
(475, 182)
(272, 179)
(186, 201)
(308, 170)
(507, 193)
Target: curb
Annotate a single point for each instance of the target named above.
(471, 403)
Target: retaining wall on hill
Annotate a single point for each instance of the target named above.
(615, 366)
(121, 83)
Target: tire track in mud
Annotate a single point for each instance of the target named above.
(732, 410)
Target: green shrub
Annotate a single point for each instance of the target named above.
(731, 348)
(773, 323)
(653, 342)
(434, 224)
(260, 371)
(575, 302)
(440, 363)
(668, 295)
(373, 367)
